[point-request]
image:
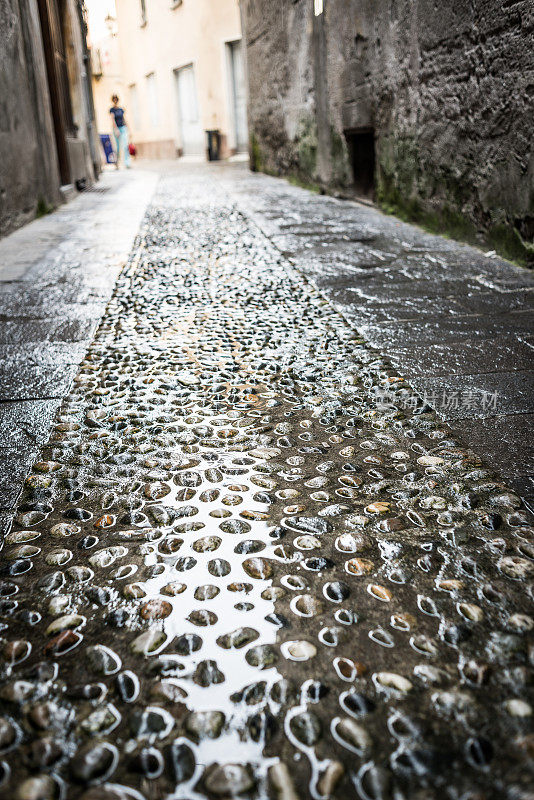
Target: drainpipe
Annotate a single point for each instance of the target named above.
(319, 48)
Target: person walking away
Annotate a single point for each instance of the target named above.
(120, 132)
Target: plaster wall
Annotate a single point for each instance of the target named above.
(176, 35)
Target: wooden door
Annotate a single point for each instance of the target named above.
(52, 16)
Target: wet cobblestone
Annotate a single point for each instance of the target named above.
(455, 321)
(234, 572)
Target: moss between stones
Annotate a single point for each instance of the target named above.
(507, 241)
(305, 173)
(297, 180)
(447, 221)
(504, 239)
(43, 208)
(339, 160)
(307, 149)
(255, 153)
(398, 182)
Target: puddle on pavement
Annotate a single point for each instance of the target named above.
(236, 572)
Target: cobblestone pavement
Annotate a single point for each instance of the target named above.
(237, 571)
(455, 321)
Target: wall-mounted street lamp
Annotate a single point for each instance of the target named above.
(318, 7)
(111, 25)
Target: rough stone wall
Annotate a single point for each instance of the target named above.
(281, 105)
(29, 179)
(447, 87)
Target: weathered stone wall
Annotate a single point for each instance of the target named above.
(29, 179)
(447, 87)
(280, 86)
(29, 172)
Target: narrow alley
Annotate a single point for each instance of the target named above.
(245, 554)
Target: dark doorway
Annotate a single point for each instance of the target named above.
(51, 19)
(361, 144)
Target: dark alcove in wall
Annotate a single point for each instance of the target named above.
(361, 145)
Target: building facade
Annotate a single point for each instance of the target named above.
(48, 145)
(107, 74)
(182, 73)
(423, 106)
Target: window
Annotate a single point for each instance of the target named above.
(143, 12)
(152, 94)
(134, 105)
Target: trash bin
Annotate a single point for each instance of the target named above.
(105, 140)
(214, 145)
